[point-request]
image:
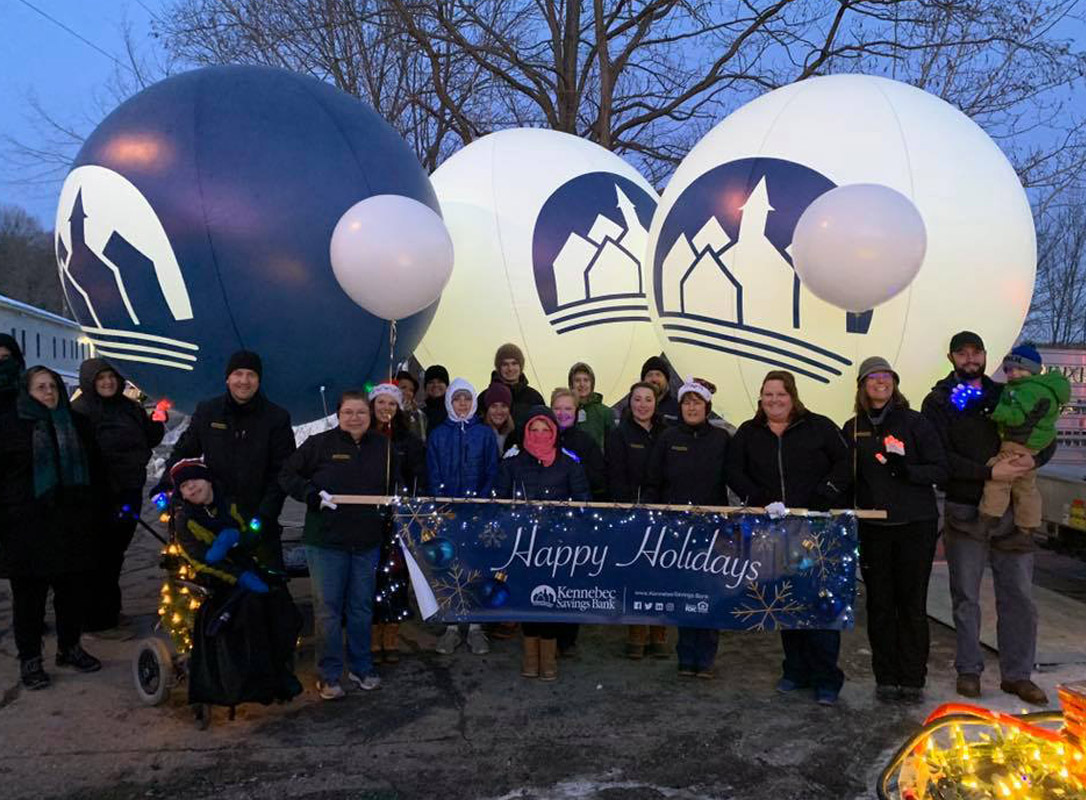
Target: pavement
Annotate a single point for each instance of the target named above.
(465, 726)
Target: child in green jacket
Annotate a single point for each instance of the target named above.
(1026, 414)
(593, 417)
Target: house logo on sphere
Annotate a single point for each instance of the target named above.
(723, 274)
(587, 246)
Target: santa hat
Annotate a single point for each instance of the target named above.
(698, 386)
(388, 388)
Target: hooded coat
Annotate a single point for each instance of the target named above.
(10, 373)
(124, 432)
(522, 476)
(462, 452)
(1029, 407)
(49, 533)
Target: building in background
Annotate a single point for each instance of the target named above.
(46, 338)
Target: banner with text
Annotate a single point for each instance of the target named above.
(491, 561)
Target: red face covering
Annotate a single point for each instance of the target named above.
(541, 443)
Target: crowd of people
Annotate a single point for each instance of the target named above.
(72, 479)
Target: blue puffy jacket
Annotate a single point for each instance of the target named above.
(461, 454)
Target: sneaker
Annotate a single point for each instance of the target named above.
(787, 685)
(707, 674)
(887, 693)
(78, 659)
(911, 695)
(477, 641)
(968, 685)
(1027, 690)
(329, 690)
(686, 671)
(366, 684)
(449, 641)
(33, 674)
(826, 697)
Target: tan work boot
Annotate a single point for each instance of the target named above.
(658, 647)
(390, 642)
(548, 659)
(529, 665)
(636, 637)
(377, 642)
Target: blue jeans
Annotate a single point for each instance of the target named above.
(696, 647)
(343, 585)
(810, 658)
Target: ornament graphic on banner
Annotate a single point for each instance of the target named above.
(725, 298)
(599, 223)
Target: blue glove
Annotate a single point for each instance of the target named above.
(251, 581)
(221, 546)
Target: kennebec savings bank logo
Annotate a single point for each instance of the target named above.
(587, 246)
(723, 274)
(563, 597)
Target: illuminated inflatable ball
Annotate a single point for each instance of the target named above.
(197, 220)
(725, 297)
(549, 232)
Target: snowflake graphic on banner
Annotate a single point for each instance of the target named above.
(765, 612)
(454, 591)
(492, 535)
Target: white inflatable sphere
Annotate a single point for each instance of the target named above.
(392, 255)
(549, 231)
(858, 246)
(725, 299)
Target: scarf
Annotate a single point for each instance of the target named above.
(541, 444)
(878, 418)
(59, 458)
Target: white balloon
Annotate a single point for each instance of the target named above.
(392, 255)
(550, 231)
(726, 300)
(858, 246)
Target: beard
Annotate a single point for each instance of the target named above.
(969, 372)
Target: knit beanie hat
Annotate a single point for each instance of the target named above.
(245, 359)
(188, 469)
(655, 363)
(506, 351)
(435, 372)
(389, 388)
(497, 393)
(404, 375)
(875, 364)
(1025, 356)
(698, 386)
(580, 366)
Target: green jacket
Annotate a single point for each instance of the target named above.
(1028, 409)
(595, 419)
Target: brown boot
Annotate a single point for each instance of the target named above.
(636, 637)
(529, 665)
(548, 659)
(658, 642)
(377, 642)
(1027, 690)
(968, 685)
(390, 640)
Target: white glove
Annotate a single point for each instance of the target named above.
(326, 500)
(776, 510)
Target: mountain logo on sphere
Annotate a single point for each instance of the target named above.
(587, 245)
(119, 271)
(544, 596)
(723, 273)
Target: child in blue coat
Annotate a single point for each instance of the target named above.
(462, 461)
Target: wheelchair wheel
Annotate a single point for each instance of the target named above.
(153, 671)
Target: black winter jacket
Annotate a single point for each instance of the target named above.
(332, 461)
(806, 467)
(435, 411)
(523, 477)
(244, 447)
(583, 448)
(628, 449)
(688, 465)
(909, 497)
(123, 430)
(410, 451)
(969, 438)
(54, 534)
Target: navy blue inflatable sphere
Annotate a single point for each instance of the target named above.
(197, 220)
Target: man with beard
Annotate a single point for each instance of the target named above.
(959, 406)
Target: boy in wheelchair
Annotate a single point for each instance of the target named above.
(245, 631)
